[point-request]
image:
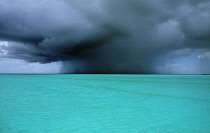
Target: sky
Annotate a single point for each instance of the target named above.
(105, 36)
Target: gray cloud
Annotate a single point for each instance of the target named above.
(103, 36)
(205, 55)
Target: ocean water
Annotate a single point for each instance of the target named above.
(104, 104)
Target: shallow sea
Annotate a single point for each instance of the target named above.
(104, 103)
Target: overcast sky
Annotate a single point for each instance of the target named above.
(105, 36)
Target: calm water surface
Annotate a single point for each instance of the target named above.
(104, 104)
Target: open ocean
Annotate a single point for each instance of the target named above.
(104, 103)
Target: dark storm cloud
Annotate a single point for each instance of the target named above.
(103, 36)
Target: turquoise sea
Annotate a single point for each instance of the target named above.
(104, 103)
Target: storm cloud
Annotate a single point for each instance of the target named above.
(103, 36)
